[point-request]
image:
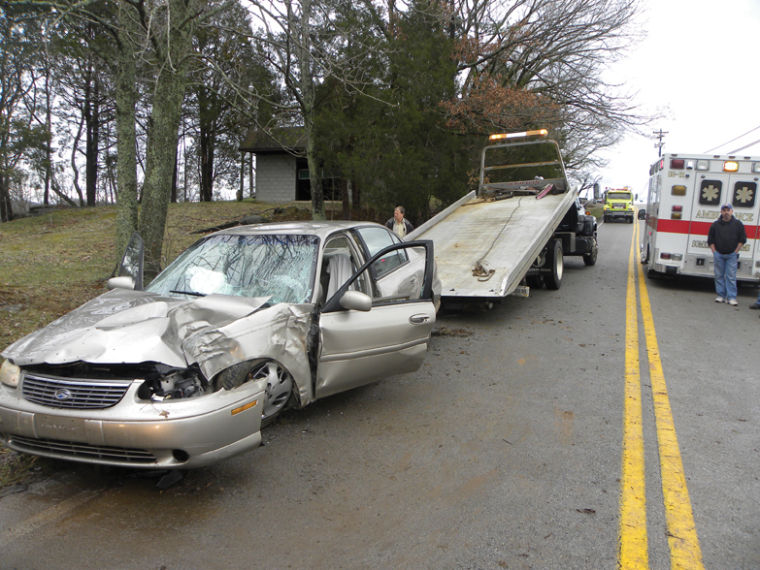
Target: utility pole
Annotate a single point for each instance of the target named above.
(660, 134)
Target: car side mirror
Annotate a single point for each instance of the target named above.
(121, 282)
(356, 301)
(642, 214)
(131, 265)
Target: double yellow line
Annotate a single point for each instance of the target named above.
(682, 533)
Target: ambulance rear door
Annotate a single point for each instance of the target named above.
(742, 193)
(710, 191)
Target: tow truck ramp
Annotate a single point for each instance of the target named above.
(484, 248)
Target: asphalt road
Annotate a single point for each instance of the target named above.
(504, 451)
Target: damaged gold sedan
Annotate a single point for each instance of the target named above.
(244, 324)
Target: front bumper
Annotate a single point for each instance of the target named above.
(622, 214)
(135, 433)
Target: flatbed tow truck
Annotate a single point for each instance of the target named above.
(512, 232)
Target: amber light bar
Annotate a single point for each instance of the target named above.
(507, 136)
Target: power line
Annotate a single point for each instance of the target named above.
(745, 146)
(734, 139)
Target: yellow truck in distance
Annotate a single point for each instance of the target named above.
(618, 204)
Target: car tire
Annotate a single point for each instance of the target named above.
(279, 389)
(556, 264)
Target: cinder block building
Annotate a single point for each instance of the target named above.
(281, 173)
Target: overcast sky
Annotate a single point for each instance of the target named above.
(698, 68)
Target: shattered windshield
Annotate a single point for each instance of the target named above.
(277, 266)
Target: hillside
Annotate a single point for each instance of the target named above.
(52, 263)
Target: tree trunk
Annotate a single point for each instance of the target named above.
(207, 139)
(126, 154)
(6, 214)
(92, 122)
(164, 126)
(251, 185)
(175, 174)
(73, 159)
(308, 108)
(48, 139)
(159, 167)
(239, 194)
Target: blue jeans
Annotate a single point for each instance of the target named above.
(725, 274)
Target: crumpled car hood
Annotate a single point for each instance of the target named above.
(135, 326)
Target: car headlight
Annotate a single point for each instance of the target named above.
(10, 374)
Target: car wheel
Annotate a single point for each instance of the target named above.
(555, 261)
(278, 391)
(590, 258)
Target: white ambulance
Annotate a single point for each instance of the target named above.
(686, 192)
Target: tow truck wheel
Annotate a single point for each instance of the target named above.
(590, 258)
(534, 281)
(556, 264)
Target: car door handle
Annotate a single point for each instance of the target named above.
(419, 319)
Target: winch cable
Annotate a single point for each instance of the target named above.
(479, 270)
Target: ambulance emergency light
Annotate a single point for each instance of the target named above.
(730, 166)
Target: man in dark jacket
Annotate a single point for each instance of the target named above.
(725, 238)
(398, 223)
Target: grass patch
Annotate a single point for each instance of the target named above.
(15, 468)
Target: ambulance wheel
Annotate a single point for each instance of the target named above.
(556, 264)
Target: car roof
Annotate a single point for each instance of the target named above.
(320, 229)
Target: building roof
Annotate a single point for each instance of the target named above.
(281, 140)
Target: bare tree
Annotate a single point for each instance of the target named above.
(169, 28)
(153, 36)
(17, 97)
(545, 60)
(301, 39)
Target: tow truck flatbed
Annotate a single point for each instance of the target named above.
(484, 248)
(490, 241)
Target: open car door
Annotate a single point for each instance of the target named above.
(366, 334)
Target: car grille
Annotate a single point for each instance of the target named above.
(57, 392)
(76, 450)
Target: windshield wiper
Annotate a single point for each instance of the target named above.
(193, 293)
